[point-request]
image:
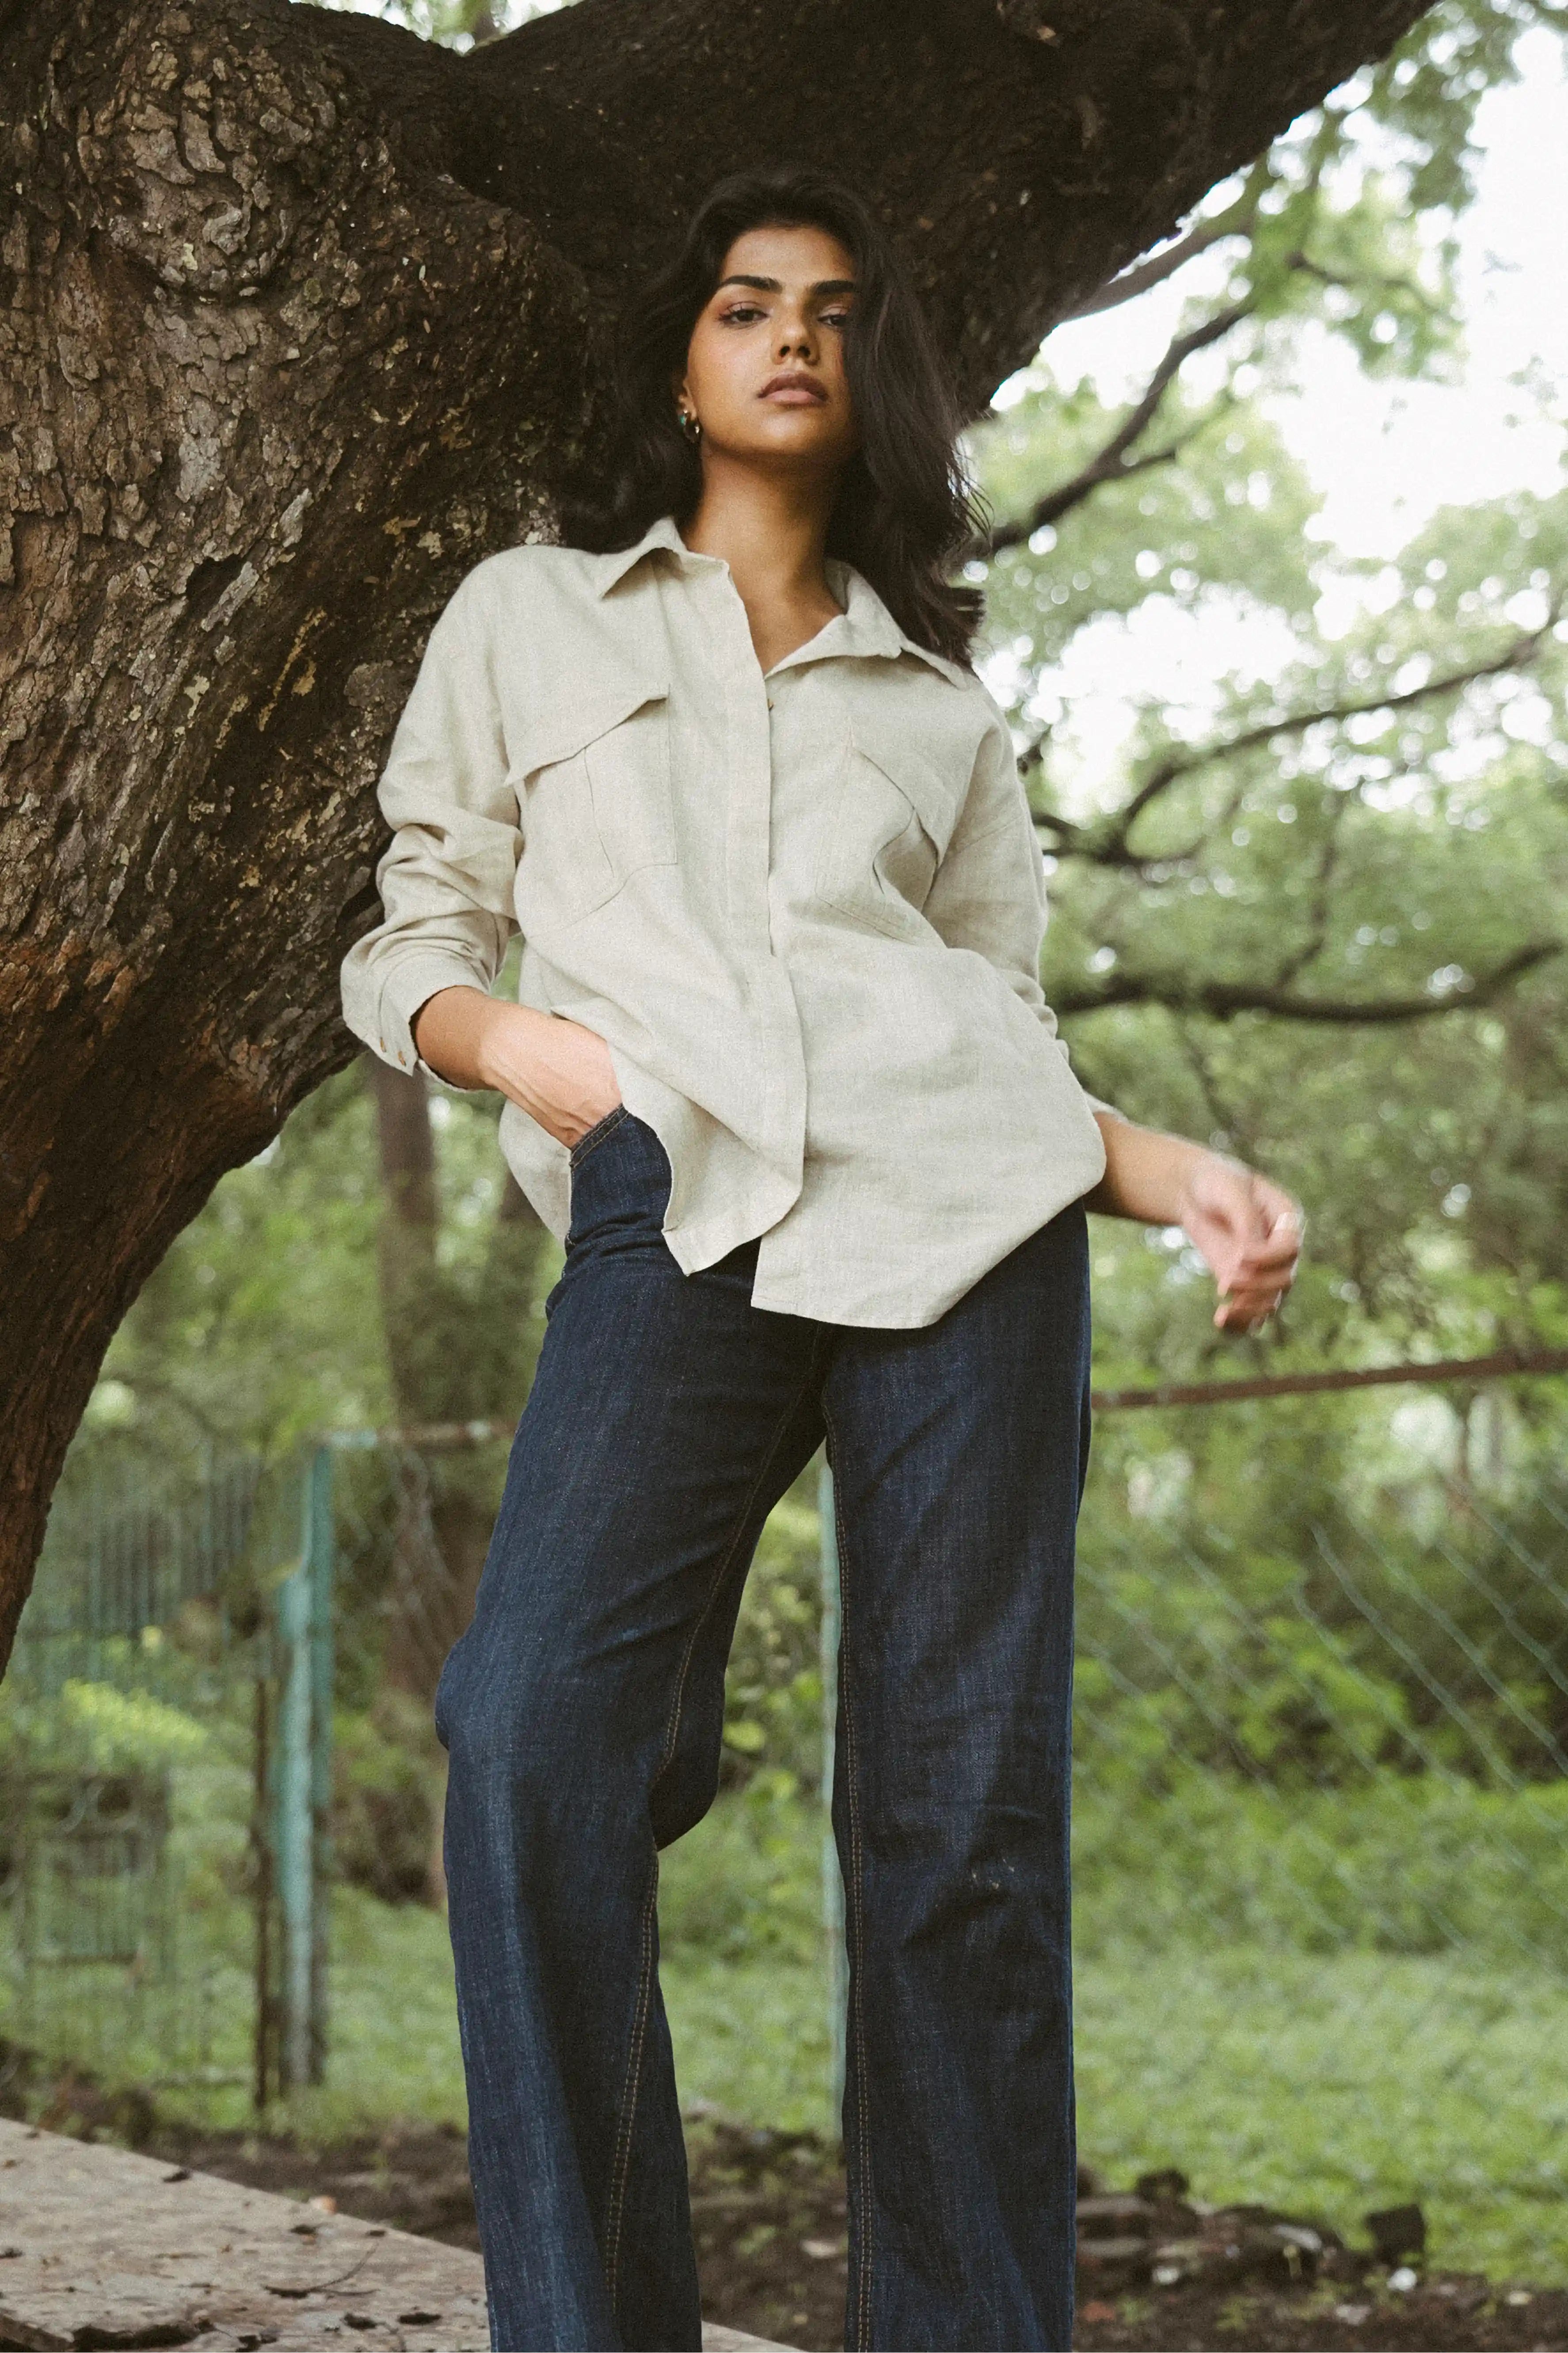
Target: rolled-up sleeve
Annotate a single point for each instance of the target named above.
(447, 877)
(989, 894)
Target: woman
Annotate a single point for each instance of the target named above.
(782, 1078)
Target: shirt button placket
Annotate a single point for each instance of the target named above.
(782, 1079)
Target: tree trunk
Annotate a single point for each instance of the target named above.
(405, 1239)
(300, 321)
(459, 1351)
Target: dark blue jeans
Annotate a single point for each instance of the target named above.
(583, 1712)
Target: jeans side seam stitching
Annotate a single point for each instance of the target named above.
(622, 2159)
(597, 1134)
(855, 1897)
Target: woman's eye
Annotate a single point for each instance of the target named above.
(740, 316)
(835, 318)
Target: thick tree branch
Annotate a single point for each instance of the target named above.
(1222, 1000)
(1236, 220)
(1113, 463)
(624, 135)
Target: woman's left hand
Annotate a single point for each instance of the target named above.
(1249, 1232)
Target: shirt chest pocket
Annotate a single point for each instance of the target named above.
(593, 785)
(893, 814)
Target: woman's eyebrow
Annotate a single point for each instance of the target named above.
(774, 286)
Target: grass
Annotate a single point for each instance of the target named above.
(1398, 1865)
(1330, 2085)
(1330, 2081)
(752, 2038)
(392, 2024)
(1339, 2083)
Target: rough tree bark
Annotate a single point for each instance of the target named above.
(299, 319)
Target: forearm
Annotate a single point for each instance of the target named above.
(558, 1072)
(1248, 1230)
(1148, 1175)
(453, 1030)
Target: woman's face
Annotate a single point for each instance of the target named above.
(764, 369)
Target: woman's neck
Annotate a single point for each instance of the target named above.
(771, 533)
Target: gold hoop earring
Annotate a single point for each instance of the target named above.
(690, 425)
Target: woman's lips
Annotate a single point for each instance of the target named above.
(794, 391)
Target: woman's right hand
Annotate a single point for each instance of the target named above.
(556, 1070)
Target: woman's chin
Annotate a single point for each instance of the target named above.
(791, 436)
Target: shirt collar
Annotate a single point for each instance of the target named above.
(661, 534)
(865, 626)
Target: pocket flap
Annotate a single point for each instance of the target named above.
(559, 732)
(906, 761)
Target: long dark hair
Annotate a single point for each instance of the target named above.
(904, 512)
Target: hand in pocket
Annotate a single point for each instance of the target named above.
(556, 1070)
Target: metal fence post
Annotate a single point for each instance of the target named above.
(303, 1782)
(832, 1877)
(291, 1837)
(263, 1847)
(321, 1560)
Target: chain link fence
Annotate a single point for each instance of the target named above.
(1321, 1851)
(1321, 1785)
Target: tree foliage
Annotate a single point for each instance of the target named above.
(1314, 911)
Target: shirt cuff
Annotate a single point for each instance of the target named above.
(406, 988)
(1109, 1109)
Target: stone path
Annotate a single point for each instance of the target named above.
(102, 2248)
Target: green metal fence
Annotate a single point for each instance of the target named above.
(165, 1757)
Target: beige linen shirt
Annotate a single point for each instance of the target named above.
(805, 910)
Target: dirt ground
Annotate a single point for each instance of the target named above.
(768, 2216)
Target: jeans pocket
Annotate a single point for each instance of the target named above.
(596, 1134)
